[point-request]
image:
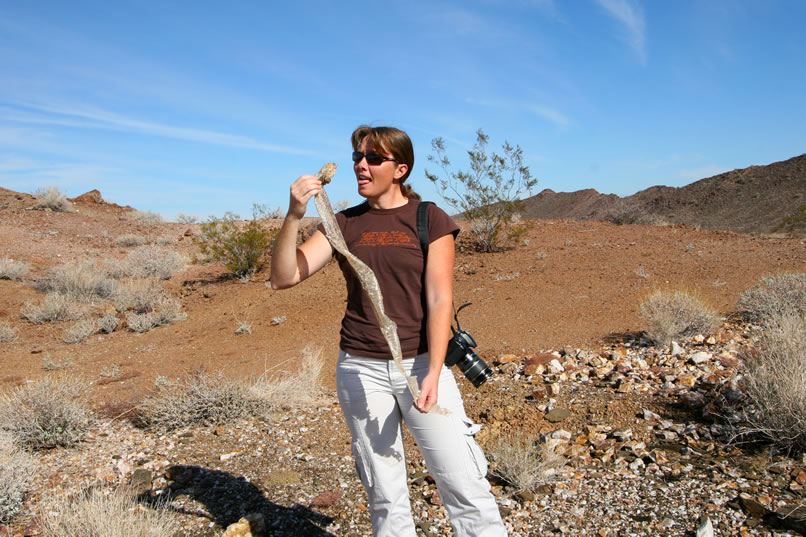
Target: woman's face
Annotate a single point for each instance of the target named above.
(376, 180)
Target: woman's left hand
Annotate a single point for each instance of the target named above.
(428, 393)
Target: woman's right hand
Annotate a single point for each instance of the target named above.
(302, 190)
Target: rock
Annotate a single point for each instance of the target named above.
(687, 380)
(706, 528)
(728, 359)
(279, 479)
(252, 525)
(557, 415)
(699, 358)
(677, 350)
(327, 499)
(140, 482)
(435, 498)
(791, 517)
(506, 359)
(93, 196)
(555, 366)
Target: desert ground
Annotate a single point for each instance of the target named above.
(569, 287)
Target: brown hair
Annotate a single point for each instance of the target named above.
(394, 141)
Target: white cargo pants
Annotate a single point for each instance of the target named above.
(375, 400)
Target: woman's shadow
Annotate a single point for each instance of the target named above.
(227, 498)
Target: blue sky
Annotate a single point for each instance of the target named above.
(205, 107)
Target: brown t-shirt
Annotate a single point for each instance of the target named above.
(386, 240)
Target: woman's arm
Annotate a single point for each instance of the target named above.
(439, 301)
(290, 264)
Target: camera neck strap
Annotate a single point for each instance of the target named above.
(422, 226)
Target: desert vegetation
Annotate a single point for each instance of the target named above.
(240, 246)
(12, 270)
(676, 314)
(16, 469)
(522, 461)
(51, 198)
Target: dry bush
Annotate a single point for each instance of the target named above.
(127, 241)
(148, 262)
(16, 471)
(108, 323)
(80, 331)
(776, 382)
(146, 218)
(12, 270)
(140, 296)
(102, 513)
(523, 462)
(165, 240)
(55, 307)
(677, 314)
(206, 398)
(52, 198)
(7, 333)
(46, 414)
(183, 218)
(240, 246)
(773, 296)
(82, 282)
(166, 312)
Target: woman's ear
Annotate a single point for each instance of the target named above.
(402, 170)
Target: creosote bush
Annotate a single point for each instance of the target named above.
(674, 315)
(55, 307)
(774, 296)
(523, 462)
(16, 470)
(52, 198)
(46, 414)
(12, 270)
(240, 246)
(203, 397)
(98, 512)
(776, 382)
(7, 333)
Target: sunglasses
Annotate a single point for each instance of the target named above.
(373, 159)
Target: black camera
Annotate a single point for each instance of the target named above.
(460, 354)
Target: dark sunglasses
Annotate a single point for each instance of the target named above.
(373, 159)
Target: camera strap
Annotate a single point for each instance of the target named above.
(422, 226)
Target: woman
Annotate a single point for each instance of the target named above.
(417, 294)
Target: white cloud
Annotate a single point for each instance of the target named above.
(701, 173)
(629, 14)
(550, 114)
(543, 111)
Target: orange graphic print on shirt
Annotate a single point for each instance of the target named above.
(385, 238)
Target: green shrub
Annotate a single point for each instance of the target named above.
(98, 512)
(16, 470)
(773, 296)
(240, 246)
(776, 382)
(523, 462)
(674, 315)
(12, 270)
(55, 307)
(52, 198)
(46, 414)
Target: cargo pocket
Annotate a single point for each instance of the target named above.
(476, 455)
(361, 464)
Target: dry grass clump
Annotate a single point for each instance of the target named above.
(52, 198)
(773, 296)
(82, 282)
(674, 315)
(523, 462)
(80, 331)
(108, 323)
(129, 240)
(212, 398)
(147, 218)
(55, 307)
(140, 296)
(16, 470)
(7, 333)
(98, 512)
(776, 382)
(166, 312)
(46, 414)
(148, 261)
(12, 270)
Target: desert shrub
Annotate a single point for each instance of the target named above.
(165, 240)
(794, 223)
(82, 282)
(46, 414)
(146, 218)
(183, 218)
(204, 397)
(674, 315)
(55, 307)
(773, 296)
(16, 470)
(776, 382)
(7, 333)
(80, 331)
(52, 198)
(98, 512)
(12, 270)
(240, 246)
(126, 241)
(523, 462)
(490, 194)
(243, 327)
(154, 262)
(140, 296)
(108, 323)
(166, 312)
(261, 211)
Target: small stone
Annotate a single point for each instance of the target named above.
(506, 359)
(327, 499)
(557, 415)
(699, 358)
(140, 482)
(676, 350)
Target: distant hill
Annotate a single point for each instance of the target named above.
(758, 199)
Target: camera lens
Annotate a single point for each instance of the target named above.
(474, 368)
